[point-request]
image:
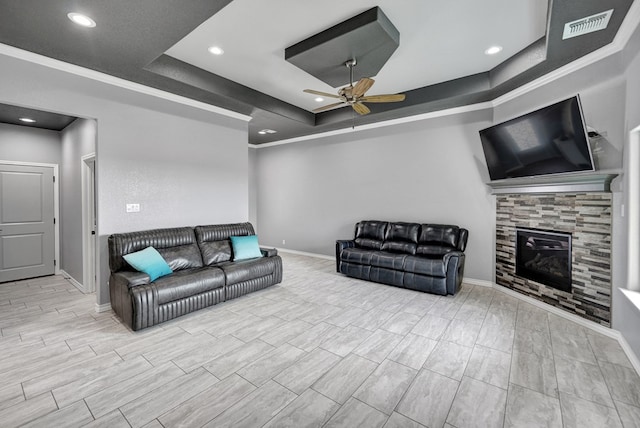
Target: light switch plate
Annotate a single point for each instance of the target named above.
(133, 208)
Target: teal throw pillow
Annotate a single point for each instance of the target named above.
(245, 247)
(150, 262)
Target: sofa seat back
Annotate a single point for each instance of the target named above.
(214, 241)
(436, 240)
(177, 246)
(401, 238)
(184, 283)
(370, 234)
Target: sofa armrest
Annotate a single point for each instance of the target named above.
(462, 239)
(268, 252)
(454, 268)
(341, 244)
(130, 278)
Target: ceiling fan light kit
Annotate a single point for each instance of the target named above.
(355, 95)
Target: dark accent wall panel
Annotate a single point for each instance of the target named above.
(588, 217)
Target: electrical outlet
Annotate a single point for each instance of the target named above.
(133, 208)
(284, 242)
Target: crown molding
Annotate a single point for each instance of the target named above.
(98, 76)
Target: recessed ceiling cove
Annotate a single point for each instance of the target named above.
(369, 38)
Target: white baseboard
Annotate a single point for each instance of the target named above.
(73, 281)
(103, 308)
(480, 282)
(304, 253)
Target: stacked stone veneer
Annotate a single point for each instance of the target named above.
(587, 216)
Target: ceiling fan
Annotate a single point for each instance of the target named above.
(355, 95)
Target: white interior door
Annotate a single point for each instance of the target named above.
(27, 236)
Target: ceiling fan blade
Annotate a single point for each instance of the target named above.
(362, 86)
(330, 106)
(324, 94)
(360, 108)
(386, 98)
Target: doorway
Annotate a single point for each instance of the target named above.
(28, 227)
(88, 223)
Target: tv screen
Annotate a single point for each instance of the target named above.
(547, 141)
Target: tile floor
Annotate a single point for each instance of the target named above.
(320, 349)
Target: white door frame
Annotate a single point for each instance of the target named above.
(633, 209)
(56, 204)
(88, 163)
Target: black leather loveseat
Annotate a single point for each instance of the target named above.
(424, 257)
(203, 272)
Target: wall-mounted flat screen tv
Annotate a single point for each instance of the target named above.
(547, 141)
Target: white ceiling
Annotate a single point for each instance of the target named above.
(439, 41)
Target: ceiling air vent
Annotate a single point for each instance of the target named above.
(592, 23)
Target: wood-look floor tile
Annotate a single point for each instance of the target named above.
(149, 406)
(579, 413)
(449, 359)
(99, 380)
(114, 419)
(490, 366)
(429, 399)
(255, 409)
(534, 372)
(26, 411)
(478, 404)
(413, 351)
(396, 420)
(377, 346)
(206, 352)
(309, 410)
(75, 415)
(355, 413)
(269, 365)
(236, 359)
(117, 395)
(345, 341)
(207, 405)
(344, 378)
(526, 408)
(384, 388)
(10, 395)
(307, 370)
(431, 326)
(313, 337)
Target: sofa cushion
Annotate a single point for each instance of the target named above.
(188, 282)
(150, 262)
(438, 239)
(387, 260)
(215, 252)
(245, 270)
(370, 234)
(425, 266)
(401, 238)
(182, 256)
(245, 247)
(358, 256)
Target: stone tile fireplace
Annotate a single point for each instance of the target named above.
(569, 235)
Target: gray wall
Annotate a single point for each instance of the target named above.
(626, 316)
(26, 144)
(183, 165)
(312, 193)
(78, 140)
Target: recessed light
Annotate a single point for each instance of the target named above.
(216, 50)
(319, 99)
(493, 50)
(27, 120)
(266, 131)
(81, 19)
(262, 132)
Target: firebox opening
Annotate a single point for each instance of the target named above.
(544, 257)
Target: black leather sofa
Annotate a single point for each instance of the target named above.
(423, 257)
(203, 272)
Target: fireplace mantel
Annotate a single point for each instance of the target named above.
(598, 181)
